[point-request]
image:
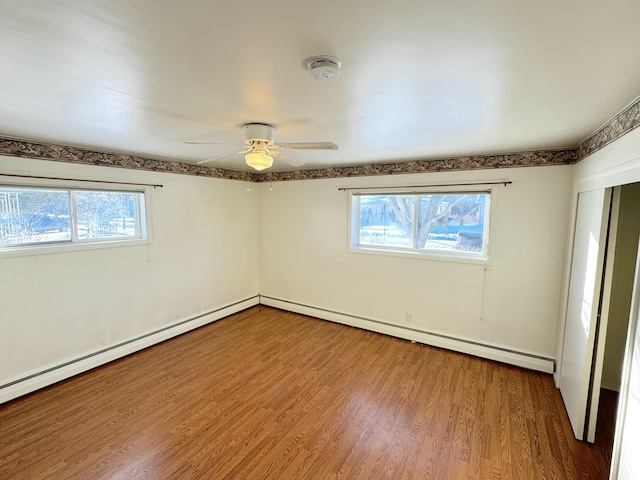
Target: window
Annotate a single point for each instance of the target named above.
(451, 224)
(31, 216)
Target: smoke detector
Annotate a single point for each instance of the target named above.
(323, 67)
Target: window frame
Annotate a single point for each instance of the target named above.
(142, 209)
(458, 256)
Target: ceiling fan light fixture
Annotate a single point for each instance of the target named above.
(259, 160)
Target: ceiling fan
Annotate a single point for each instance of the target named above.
(261, 147)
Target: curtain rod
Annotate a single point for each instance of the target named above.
(504, 182)
(81, 180)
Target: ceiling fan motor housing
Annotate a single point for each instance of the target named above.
(258, 132)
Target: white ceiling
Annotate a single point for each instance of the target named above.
(420, 78)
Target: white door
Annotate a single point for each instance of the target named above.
(603, 317)
(585, 286)
(625, 462)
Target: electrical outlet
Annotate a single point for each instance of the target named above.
(408, 317)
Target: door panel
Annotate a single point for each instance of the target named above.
(582, 308)
(603, 317)
(625, 462)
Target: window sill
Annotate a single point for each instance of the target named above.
(68, 247)
(438, 257)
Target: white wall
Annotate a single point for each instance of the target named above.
(60, 306)
(512, 303)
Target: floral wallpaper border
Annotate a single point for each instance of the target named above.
(615, 128)
(618, 126)
(62, 153)
(473, 162)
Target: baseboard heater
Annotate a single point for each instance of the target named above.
(55, 373)
(491, 352)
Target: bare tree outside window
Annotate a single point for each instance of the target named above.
(31, 216)
(106, 214)
(423, 222)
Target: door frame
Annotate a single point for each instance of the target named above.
(621, 174)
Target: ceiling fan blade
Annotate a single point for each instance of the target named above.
(208, 143)
(294, 162)
(310, 146)
(239, 152)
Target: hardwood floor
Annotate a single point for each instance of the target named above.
(267, 394)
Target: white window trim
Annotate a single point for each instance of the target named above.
(436, 255)
(143, 207)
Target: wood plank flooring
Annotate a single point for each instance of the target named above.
(266, 394)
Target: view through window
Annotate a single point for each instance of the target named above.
(430, 223)
(37, 216)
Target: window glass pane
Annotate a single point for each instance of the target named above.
(106, 214)
(452, 222)
(386, 220)
(32, 216)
